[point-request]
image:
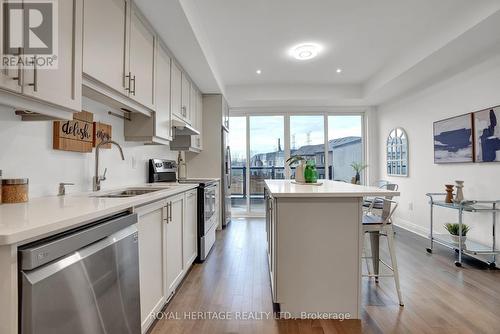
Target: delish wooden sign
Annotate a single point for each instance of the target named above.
(102, 132)
(75, 135)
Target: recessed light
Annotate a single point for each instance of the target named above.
(305, 51)
(258, 71)
(339, 70)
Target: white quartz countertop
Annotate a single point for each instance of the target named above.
(44, 216)
(286, 188)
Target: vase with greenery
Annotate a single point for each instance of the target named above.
(299, 169)
(310, 173)
(454, 230)
(358, 167)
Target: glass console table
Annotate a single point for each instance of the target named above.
(468, 247)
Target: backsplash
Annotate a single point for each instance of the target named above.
(26, 151)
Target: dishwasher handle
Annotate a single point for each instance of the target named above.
(44, 251)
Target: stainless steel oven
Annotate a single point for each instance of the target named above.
(210, 205)
(208, 202)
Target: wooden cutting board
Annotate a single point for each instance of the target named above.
(75, 135)
(102, 132)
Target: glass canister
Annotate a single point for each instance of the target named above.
(310, 173)
(15, 190)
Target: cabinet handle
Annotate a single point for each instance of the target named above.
(183, 111)
(19, 73)
(170, 214)
(34, 84)
(18, 78)
(133, 91)
(167, 219)
(128, 76)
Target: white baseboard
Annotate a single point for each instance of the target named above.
(411, 227)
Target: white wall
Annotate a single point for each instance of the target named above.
(26, 151)
(474, 89)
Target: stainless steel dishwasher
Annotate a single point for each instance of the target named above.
(85, 281)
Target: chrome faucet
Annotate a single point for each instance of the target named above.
(97, 177)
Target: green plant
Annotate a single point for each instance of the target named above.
(358, 166)
(293, 159)
(453, 229)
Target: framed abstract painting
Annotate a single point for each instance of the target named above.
(487, 135)
(453, 141)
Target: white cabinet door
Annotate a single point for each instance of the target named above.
(174, 263)
(104, 42)
(190, 248)
(151, 260)
(176, 90)
(10, 79)
(225, 113)
(163, 115)
(142, 51)
(199, 119)
(192, 107)
(62, 86)
(185, 97)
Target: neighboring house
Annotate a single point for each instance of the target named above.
(342, 152)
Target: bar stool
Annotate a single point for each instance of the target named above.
(378, 226)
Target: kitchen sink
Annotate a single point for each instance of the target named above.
(130, 192)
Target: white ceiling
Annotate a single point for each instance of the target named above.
(377, 43)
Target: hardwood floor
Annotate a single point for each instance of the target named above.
(439, 297)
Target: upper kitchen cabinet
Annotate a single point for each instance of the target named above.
(104, 41)
(142, 57)
(158, 128)
(199, 120)
(118, 56)
(61, 86)
(48, 85)
(186, 98)
(163, 115)
(10, 79)
(225, 114)
(176, 91)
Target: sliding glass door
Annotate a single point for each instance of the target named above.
(238, 144)
(267, 157)
(307, 139)
(260, 145)
(345, 146)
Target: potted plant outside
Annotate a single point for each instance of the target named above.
(453, 229)
(358, 167)
(299, 170)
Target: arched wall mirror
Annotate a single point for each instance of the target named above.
(397, 153)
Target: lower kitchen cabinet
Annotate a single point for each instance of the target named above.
(151, 260)
(190, 246)
(173, 241)
(167, 249)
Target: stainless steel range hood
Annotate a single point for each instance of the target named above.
(181, 128)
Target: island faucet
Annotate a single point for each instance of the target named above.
(97, 178)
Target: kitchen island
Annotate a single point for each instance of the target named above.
(314, 239)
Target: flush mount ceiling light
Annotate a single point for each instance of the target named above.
(305, 51)
(258, 71)
(339, 70)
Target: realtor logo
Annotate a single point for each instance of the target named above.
(30, 33)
